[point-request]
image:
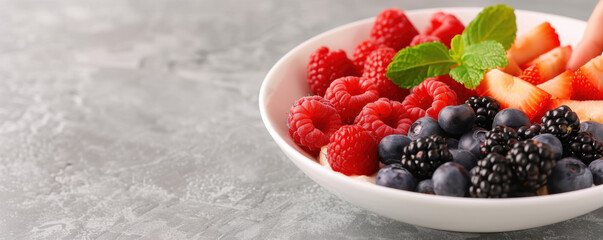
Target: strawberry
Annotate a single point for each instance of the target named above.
(553, 62)
(512, 92)
(560, 86)
(534, 43)
(586, 110)
(512, 68)
(532, 75)
(588, 80)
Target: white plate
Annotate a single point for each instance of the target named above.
(286, 82)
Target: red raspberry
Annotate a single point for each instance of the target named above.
(424, 39)
(325, 66)
(353, 151)
(444, 26)
(312, 120)
(375, 68)
(361, 52)
(462, 93)
(393, 29)
(428, 99)
(349, 95)
(384, 117)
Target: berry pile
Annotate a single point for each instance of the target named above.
(517, 133)
(498, 162)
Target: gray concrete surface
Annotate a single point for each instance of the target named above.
(139, 120)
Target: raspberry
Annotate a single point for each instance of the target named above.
(375, 68)
(349, 95)
(353, 151)
(444, 26)
(384, 117)
(361, 52)
(393, 29)
(312, 120)
(324, 67)
(427, 99)
(423, 39)
(462, 93)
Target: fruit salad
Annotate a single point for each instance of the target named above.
(455, 110)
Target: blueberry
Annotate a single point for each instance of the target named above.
(552, 141)
(425, 186)
(511, 117)
(464, 158)
(472, 142)
(450, 179)
(594, 127)
(452, 143)
(390, 148)
(596, 168)
(424, 127)
(570, 174)
(456, 120)
(395, 176)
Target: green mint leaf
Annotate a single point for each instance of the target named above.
(485, 55)
(412, 65)
(495, 23)
(470, 77)
(457, 46)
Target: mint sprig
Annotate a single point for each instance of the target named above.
(493, 23)
(422, 61)
(480, 47)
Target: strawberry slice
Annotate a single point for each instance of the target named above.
(512, 68)
(534, 43)
(586, 110)
(560, 86)
(512, 92)
(532, 75)
(588, 80)
(553, 62)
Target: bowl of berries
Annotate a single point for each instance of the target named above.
(461, 119)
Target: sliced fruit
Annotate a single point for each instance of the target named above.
(588, 80)
(512, 68)
(553, 62)
(560, 87)
(534, 43)
(512, 92)
(586, 110)
(532, 75)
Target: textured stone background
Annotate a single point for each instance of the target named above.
(139, 120)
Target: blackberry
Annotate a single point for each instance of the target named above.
(491, 178)
(485, 109)
(525, 132)
(499, 140)
(424, 155)
(585, 147)
(561, 122)
(532, 162)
